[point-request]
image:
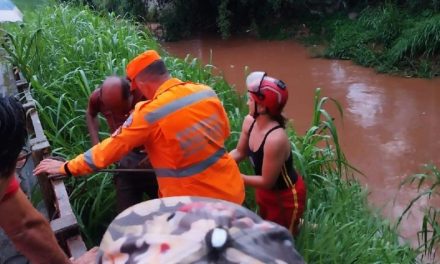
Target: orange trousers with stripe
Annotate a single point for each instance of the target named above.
(284, 207)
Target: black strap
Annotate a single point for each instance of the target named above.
(268, 132)
(252, 127)
(66, 169)
(265, 136)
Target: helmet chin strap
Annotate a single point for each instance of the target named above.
(256, 114)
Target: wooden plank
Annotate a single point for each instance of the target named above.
(21, 85)
(39, 136)
(45, 185)
(7, 84)
(76, 246)
(40, 148)
(62, 198)
(55, 195)
(64, 224)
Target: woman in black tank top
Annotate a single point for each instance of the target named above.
(280, 191)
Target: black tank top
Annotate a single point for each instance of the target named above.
(288, 175)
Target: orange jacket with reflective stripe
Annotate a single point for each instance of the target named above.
(183, 129)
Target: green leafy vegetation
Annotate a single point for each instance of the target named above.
(67, 51)
(428, 183)
(387, 38)
(398, 37)
(27, 5)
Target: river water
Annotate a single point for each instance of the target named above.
(389, 129)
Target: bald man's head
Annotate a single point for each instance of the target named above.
(115, 92)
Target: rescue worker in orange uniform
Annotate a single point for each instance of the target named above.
(183, 129)
(114, 101)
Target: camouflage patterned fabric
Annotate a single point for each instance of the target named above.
(194, 230)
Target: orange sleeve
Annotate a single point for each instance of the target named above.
(133, 133)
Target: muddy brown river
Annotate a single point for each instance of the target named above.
(390, 126)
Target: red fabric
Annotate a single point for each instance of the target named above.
(114, 119)
(12, 189)
(284, 207)
(164, 247)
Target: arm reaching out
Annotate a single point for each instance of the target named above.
(240, 152)
(92, 118)
(132, 134)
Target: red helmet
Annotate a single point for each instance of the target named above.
(267, 91)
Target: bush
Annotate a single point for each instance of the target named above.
(389, 39)
(422, 38)
(128, 8)
(428, 183)
(180, 18)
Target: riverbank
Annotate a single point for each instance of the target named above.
(395, 37)
(387, 38)
(76, 49)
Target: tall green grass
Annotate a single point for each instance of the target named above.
(67, 51)
(428, 187)
(421, 39)
(339, 225)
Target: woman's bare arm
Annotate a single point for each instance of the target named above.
(240, 152)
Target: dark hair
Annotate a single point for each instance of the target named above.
(12, 134)
(156, 68)
(125, 86)
(279, 118)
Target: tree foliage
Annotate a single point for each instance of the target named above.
(264, 18)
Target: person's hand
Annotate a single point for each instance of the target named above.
(88, 258)
(49, 166)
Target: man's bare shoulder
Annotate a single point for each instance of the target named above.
(94, 106)
(94, 95)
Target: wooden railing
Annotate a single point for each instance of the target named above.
(56, 198)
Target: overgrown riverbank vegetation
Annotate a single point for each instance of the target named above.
(386, 37)
(67, 51)
(427, 183)
(392, 36)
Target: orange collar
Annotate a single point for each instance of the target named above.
(166, 86)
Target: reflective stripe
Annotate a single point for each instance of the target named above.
(89, 160)
(191, 170)
(128, 121)
(292, 227)
(178, 104)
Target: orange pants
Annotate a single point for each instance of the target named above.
(284, 207)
